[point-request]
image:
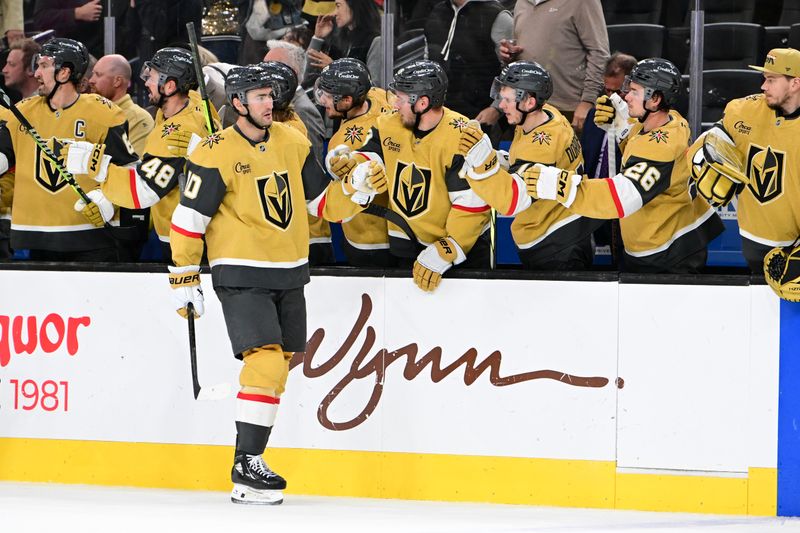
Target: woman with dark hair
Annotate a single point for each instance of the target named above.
(352, 30)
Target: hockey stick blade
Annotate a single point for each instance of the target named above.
(220, 391)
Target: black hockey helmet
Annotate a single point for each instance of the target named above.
(345, 77)
(65, 53)
(526, 77)
(242, 79)
(172, 63)
(422, 77)
(280, 75)
(657, 75)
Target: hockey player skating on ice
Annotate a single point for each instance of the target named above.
(247, 190)
(665, 228)
(548, 236)
(423, 149)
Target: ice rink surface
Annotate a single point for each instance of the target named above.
(37, 508)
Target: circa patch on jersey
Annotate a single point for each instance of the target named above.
(276, 198)
(411, 189)
(765, 168)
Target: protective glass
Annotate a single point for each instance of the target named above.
(321, 96)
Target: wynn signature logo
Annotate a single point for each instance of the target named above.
(371, 363)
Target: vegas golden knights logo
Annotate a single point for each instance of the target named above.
(46, 173)
(411, 189)
(765, 168)
(276, 198)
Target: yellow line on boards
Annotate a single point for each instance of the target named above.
(511, 480)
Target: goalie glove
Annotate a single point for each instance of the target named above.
(717, 167)
(611, 115)
(186, 289)
(82, 158)
(338, 162)
(434, 261)
(550, 183)
(480, 158)
(99, 211)
(365, 181)
(782, 271)
(182, 143)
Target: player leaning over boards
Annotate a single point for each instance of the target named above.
(664, 227)
(750, 152)
(345, 90)
(548, 236)
(169, 77)
(421, 147)
(43, 219)
(247, 190)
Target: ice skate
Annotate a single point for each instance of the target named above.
(254, 482)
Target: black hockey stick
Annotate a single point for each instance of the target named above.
(214, 392)
(393, 217)
(198, 71)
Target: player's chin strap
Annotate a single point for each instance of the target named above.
(162, 96)
(56, 86)
(419, 114)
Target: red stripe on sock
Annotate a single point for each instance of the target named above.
(471, 209)
(263, 398)
(514, 197)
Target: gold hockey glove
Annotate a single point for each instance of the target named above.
(604, 111)
(186, 289)
(338, 162)
(550, 183)
(434, 261)
(182, 143)
(782, 271)
(480, 158)
(717, 167)
(99, 211)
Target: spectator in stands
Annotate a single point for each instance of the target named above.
(321, 248)
(354, 30)
(164, 22)
(11, 21)
(569, 38)
(464, 36)
(265, 20)
(18, 73)
(111, 78)
(75, 19)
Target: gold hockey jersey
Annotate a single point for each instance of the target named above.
(544, 227)
(153, 182)
(364, 231)
(249, 200)
(6, 180)
(424, 185)
(768, 208)
(43, 216)
(661, 221)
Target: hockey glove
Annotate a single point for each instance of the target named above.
(185, 284)
(550, 183)
(99, 211)
(81, 157)
(718, 168)
(480, 157)
(182, 143)
(434, 261)
(365, 181)
(611, 114)
(782, 271)
(338, 162)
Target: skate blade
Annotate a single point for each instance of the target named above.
(246, 495)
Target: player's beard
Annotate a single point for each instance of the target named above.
(408, 122)
(778, 104)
